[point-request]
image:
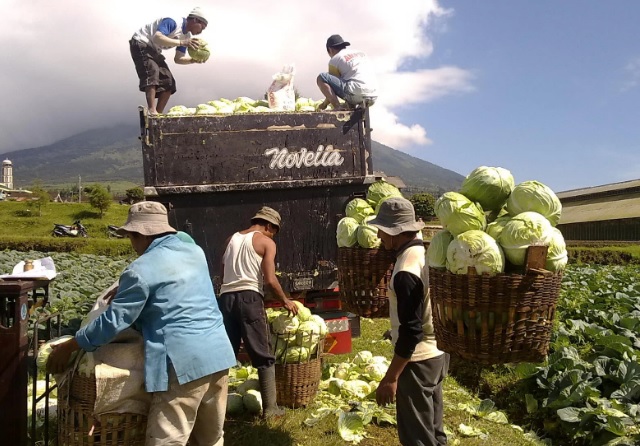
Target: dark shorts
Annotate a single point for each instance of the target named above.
(151, 68)
(246, 321)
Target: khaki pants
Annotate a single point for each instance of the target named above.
(192, 412)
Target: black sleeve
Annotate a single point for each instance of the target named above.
(409, 291)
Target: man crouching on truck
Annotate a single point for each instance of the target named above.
(415, 375)
(146, 45)
(247, 263)
(168, 295)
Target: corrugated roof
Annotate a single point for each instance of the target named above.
(613, 208)
(599, 189)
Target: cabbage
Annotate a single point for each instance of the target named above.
(363, 357)
(489, 186)
(437, 250)
(533, 196)
(335, 384)
(376, 371)
(47, 348)
(381, 189)
(475, 248)
(368, 236)
(523, 230)
(285, 324)
(342, 371)
(308, 334)
(178, 110)
(355, 388)
(379, 360)
(351, 427)
(304, 314)
(250, 384)
(252, 401)
(557, 256)
(458, 214)
(234, 404)
(202, 53)
(347, 232)
(206, 109)
(321, 324)
(295, 354)
(358, 209)
(494, 229)
(272, 313)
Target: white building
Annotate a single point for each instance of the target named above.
(7, 174)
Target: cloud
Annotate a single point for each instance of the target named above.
(71, 69)
(632, 70)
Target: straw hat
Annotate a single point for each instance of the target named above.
(147, 218)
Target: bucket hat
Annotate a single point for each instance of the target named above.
(270, 215)
(198, 13)
(396, 215)
(147, 218)
(336, 40)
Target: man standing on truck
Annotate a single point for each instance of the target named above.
(146, 45)
(415, 375)
(248, 264)
(167, 294)
(350, 77)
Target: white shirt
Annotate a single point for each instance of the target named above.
(242, 265)
(355, 68)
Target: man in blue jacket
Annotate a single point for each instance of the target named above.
(167, 294)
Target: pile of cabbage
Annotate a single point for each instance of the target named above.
(492, 221)
(298, 338)
(347, 391)
(241, 104)
(353, 229)
(244, 391)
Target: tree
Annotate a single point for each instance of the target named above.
(424, 205)
(134, 195)
(99, 198)
(40, 198)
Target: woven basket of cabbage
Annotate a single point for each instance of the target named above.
(494, 319)
(363, 277)
(297, 383)
(78, 426)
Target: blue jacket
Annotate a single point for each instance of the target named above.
(168, 295)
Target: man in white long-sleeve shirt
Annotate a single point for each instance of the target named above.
(414, 378)
(146, 45)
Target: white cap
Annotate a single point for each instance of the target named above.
(200, 14)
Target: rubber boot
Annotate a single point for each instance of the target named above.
(267, 378)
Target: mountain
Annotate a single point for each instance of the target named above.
(114, 154)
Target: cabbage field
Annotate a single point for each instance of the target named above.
(586, 393)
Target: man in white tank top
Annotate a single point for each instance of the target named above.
(248, 266)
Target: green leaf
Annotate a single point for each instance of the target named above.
(532, 403)
(570, 414)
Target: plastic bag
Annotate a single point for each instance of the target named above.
(281, 94)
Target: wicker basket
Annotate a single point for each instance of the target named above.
(77, 425)
(297, 384)
(363, 276)
(499, 319)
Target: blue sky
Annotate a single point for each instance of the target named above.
(556, 91)
(548, 89)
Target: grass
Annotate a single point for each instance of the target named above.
(290, 430)
(16, 219)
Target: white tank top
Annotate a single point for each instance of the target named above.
(242, 265)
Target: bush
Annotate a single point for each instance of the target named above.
(424, 205)
(105, 247)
